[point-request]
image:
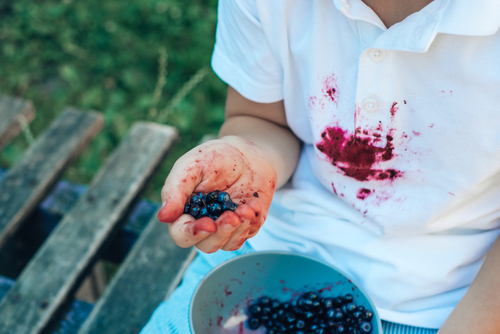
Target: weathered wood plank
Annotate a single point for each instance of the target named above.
(10, 111)
(152, 269)
(28, 181)
(61, 262)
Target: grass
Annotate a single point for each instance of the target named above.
(133, 60)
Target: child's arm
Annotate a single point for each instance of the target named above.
(256, 153)
(478, 311)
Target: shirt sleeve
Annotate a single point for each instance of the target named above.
(242, 54)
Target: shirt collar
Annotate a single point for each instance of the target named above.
(470, 18)
(417, 32)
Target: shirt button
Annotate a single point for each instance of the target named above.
(377, 55)
(370, 104)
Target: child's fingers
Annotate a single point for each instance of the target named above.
(246, 215)
(227, 223)
(179, 185)
(186, 231)
(258, 218)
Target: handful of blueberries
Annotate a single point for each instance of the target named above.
(310, 314)
(210, 205)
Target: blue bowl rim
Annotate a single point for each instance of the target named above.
(236, 258)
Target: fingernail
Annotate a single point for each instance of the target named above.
(163, 204)
(198, 230)
(227, 227)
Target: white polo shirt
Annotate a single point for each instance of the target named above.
(398, 182)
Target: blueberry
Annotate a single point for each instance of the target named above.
(197, 200)
(338, 315)
(229, 206)
(331, 324)
(298, 311)
(312, 295)
(348, 298)
(204, 211)
(266, 310)
(275, 304)
(340, 329)
(316, 304)
(255, 310)
(323, 324)
(223, 197)
(330, 314)
(350, 329)
(367, 315)
(361, 308)
(186, 208)
(305, 303)
(278, 314)
(308, 316)
(338, 301)
(286, 305)
(203, 197)
(268, 323)
(264, 301)
(214, 209)
(194, 211)
(253, 323)
(356, 314)
(365, 327)
(212, 197)
(281, 328)
(350, 308)
(300, 324)
(290, 318)
(327, 302)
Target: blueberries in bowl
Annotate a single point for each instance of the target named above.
(310, 313)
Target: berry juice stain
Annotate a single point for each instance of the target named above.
(334, 190)
(355, 157)
(326, 288)
(227, 292)
(394, 109)
(363, 193)
(330, 89)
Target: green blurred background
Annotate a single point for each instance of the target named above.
(112, 56)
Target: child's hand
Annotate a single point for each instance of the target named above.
(229, 164)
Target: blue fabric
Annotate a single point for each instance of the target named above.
(172, 316)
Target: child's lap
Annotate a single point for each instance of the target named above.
(172, 316)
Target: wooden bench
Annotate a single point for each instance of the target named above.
(41, 297)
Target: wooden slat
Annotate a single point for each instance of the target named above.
(28, 181)
(60, 263)
(10, 111)
(153, 268)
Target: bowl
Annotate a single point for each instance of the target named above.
(220, 302)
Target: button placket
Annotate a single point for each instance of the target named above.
(377, 55)
(372, 120)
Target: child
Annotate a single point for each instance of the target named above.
(381, 112)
